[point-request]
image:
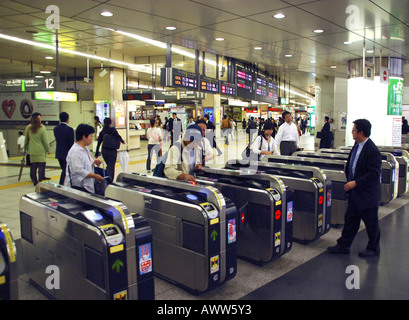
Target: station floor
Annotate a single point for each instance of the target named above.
(306, 272)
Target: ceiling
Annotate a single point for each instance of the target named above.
(383, 25)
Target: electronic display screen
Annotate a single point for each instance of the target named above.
(228, 88)
(261, 88)
(209, 85)
(245, 82)
(184, 79)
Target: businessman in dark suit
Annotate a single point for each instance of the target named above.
(363, 171)
(64, 137)
(175, 128)
(211, 133)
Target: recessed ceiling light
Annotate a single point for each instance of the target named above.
(333, 67)
(279, 16)
(347, 42)
(288, 55)
(49, 58)
(170, 28)
(106, 14)
(318, 31)
(313, 61)
(45, 71)
(219, 39)
(258, 48)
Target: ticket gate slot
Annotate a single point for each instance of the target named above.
(334, 170)
(90, 239)
(312, 211)
(389, 183)
(8, 265)
(194, 241)
(263, 201)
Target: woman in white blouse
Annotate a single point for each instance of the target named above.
(154, 134)
(265, 143)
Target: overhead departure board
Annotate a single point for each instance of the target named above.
(245, 83)
(261, 88)
(273, 92)
(209, 85)
(172, 77)
(228, 89)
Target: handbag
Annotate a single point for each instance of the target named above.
(123, 158)
(28, 161)
(249, 154)
(111, 141)
(100, 186)
(319, 135)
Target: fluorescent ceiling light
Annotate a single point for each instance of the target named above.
(170, 28)
(333, 67)
(219, 39)
(318, 31)
(45, 71)
(106, 14)
(347, 42)
(313, 61)
(288, 55)
(49, 58)
(258, 48)
(279, 16)
(369, 51)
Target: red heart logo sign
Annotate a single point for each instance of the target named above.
(9, 107)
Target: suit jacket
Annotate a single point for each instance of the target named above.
(210, 125)
(326, 136)
(367, 193)
(176, 125)
(64, 137)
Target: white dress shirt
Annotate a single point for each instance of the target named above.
(287, 132)
(80, 163)
(265, 146)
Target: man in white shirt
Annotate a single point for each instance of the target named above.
(20, 142)
(287, 137)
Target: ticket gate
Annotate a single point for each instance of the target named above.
(390, 173)
(402, 156)
(311, 195)
(8, 265)
(390, 167)
(265, 210)
(91, 247)
(334, 170)
(194, 241)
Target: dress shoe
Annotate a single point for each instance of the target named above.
(45, 178)
(338, 249)
(368, 253)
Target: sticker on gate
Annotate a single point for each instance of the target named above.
(289, 211)
(214, 264)
(277, 239)
(145, 259)
(231, 229)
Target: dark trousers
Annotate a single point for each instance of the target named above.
(34, 167)
(287, 148)
(109, 156)
(153, 149)
(353, 217)
(63, 165)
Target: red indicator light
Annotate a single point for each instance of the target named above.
(320, 200)
(278, 214)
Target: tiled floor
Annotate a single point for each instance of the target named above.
(249, 276)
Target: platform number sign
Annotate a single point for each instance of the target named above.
(49, 83)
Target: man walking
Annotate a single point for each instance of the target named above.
(287, 137)
(363, 171)
(64, 138)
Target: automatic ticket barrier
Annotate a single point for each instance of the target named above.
(265, 209)
(8, 265)
(390, 170)
(402, 156)
(334, 170)
(80, 246)
(194, 228)
(311, 195)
